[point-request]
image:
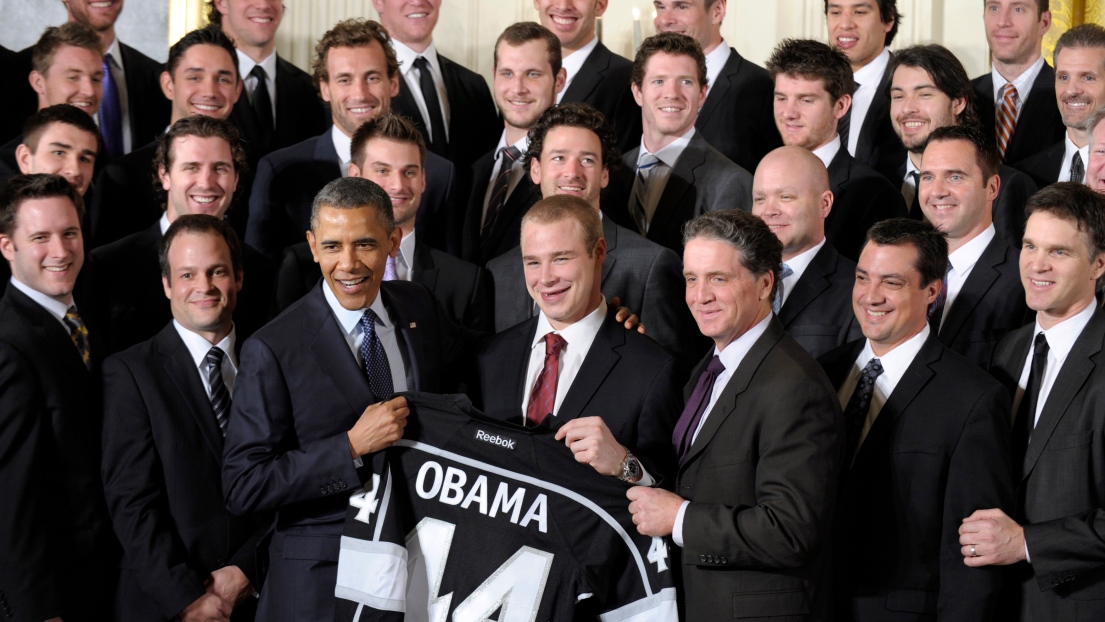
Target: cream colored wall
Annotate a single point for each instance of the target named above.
(467, 29)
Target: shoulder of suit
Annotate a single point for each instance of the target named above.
(123, 250)
(955, 368)
(456, 264)
(303, 150)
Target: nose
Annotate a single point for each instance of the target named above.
(573, 168)
(90, 87)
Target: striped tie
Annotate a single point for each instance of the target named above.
(639, 207)
(220, 396)
(78, 332)
(498, 189)
(542, 400)
(1007, 117)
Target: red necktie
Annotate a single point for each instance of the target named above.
(543, 397)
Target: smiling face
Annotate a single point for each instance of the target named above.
(351, 247)
(785, 195)
(74, 77)
(724, 297)
(524, 83)
(99, 14)
(1079, 84)
(358, 88)
(251, 23)
(888, 297)
(917, 106)
(955, 195)
(410, 22)
(691, 18)
(572, 21)
(562, 275)
(1058, 271)
(397, 168)
(201, 178)
(64, 150)
(1095, 169)
(202, 286)
(856, 27)
(669, 96)
(205, 83)
(571, 163)
(1014, 30)
(805, 113)
(45, 249)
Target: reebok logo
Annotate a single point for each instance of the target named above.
(494, 439)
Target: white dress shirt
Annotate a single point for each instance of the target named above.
(1023, 84)
(1060, 340)
(731, 358)
(198, 347)
(404, 259)
(798, 265)
(828, 151)
(350, 323)
(119, 75)
(516, 171)
(246, 65)
(715, 61)
(962, 261)
(869, 79)
(909, 184)
(573, 62)
(1068, 152)
(344, 146)
(54, 307)
(579, 337)
(406, 57)
(659, 175)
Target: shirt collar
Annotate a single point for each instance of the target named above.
(246, 65)
(198, 347)
(909, 168)
(522, 145)
(406, 254)
(828, 151)
(715, 61)
(801, 261)
(163, 222)
(573, 62)
(1023, 83)
(1069, 148)
(579, 335)
(116, 53)
(965, 257)
(350, 320)
(56, 308)
(870, 75)
(344, 146)
(1061, 337)
(406, 56)
(896, 361)
(735, 352)
(670, 152)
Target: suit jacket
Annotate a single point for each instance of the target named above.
(761, 478)
(646, 277)
(702, 180)
(937, 452)
(818, 311)
(462, 288)
(626, 379)
(1061, 496)
(14, 68)
(603, 81)
(299, 113)
(1039, 123)
(288, 179)
(58, 557)
(147, 107)
(1044, 166)
(878, 142)
(162, 476)
(135, 308)
(123, 200)
(299, 390)
(507, 230)
(738, 118)
(862, 198)
(990, 304)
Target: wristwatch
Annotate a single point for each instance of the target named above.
(631, 468)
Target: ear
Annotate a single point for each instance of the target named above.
(23, 159)
(767, 281)
(561, 79)
(932, 290)
(993, 186)
(1097, 265)
(959, 104)
(1045, 22)
(7, 247)
(394, 80)
(313, 244)
(600, 253)
(167, 85)
(717, 11)
(841, 107)
(394, 239)
(163, 175)
(166, 287)
(324, 90)
(637, 94)
(600, 7)
(239, 280)
(353, 170)
(222, 6)
(535, 171)
(605, 177)
(238, 91)
(38, 82)
(826, 206)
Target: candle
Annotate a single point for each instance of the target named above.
(636, 29)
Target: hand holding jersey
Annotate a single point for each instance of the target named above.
(379, 426)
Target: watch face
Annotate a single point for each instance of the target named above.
(632, 468)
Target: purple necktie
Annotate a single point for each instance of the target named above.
(111, 114)
(696, 407)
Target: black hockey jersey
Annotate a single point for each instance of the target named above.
(468, 519)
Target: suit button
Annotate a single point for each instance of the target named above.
(723, 561)
(702, 559)
(322, 490)
(341, 485)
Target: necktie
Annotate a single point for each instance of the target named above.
(855, 413)
(1006, 120)
(912, 195)
(843, 126)
(374, 359)
(437, 141)
(1026, 412)
(262, 101)
(695, 408)
(220, 397)
(508, 155)
(645, 166)
(78, 332)
(543, 397)
(936, 309)
(778, 302)
(111, 113)
(390, 273)
(1077, 168)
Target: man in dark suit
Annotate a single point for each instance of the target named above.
(58, 558)
(390, 151)
(1051, 538)
(805, 69)
(676, 174)
(461, 123)
(201, 78)
(736, 117)
(930, 89)
(1079, 92)
(594, 74)
(612, 395)
(1019, 75)
(864, 30)
(198, 161)
(983, 298)
(758, 443)
(166, 404)
(139, 113)
(814, 302)
(288, 179)
(927, 444)
(528, 75)
(571, 151)
(307, 401)
(13, 71)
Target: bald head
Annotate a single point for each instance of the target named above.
(790, 192)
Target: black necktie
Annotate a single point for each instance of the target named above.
(374, 358)
(855, 413)
(915, 205)
(845, 123)
(936, 309)
(262, 102)
(499, 189)
(437, 142)
(220, 397)
(1026, 412)
(1077, 168)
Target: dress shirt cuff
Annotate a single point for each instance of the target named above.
(357, 462)
(646, 479)
(677, 529)
(1027, 557)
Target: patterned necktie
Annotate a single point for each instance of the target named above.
(1077, 168)
(262, 101)
(374, 359)
(1026, 412)
(688, 422)
(111, 113)
(542, 399)
(855, 413)
(220, 396)
(390, 273)
(1006, 120)
(437, 142)
(912, 195)
(508, 156)
(936, 309)
(843, 126)
(778, 302)
(646, 163)
(78, 332)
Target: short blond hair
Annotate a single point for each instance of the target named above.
(561, 207)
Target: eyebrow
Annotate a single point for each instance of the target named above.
(365, 240)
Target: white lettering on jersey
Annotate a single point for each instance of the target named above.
(448, 486)
(658, 554)
(366, 501)
(495, 439)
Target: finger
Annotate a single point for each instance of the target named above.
(616, 302)
(984, 514)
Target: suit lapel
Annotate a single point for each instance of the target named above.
(610, 234)
(719, 88)
(813, 281)
(52, 332)
(589, 76)
(424, 271)
(866, 143)
(600, 359)
(401, 314)
(982, 278)
(331, 352)
(679, 184)
(184, 375)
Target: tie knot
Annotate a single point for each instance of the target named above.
(214, 357)
(715, 367)
(258, 72)
(1009, 92)
(554, 343)
(421, 63)
(1040, 345)
(511, 153)
(787, 271)
(72, 315)
(873, 369)
(647, 161)
(368, 321)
